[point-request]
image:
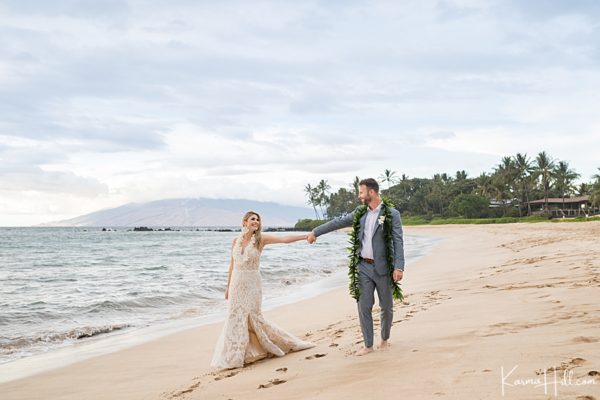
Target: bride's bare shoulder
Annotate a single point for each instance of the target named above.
(267, 239)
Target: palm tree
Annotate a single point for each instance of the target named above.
(498, 188)
(564, 180)
(504, 181)
(389, 176)
(322, 193)
(595, 197)
(461, 175)
(543, 167)
(524, 170)
(438, 194)
(312, 199)
(507, 169)
(401, 193)
(584, 189)
(355, 185)
(484, 185)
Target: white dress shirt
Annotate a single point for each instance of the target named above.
(370, 226)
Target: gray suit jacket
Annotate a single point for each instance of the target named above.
(378, 243)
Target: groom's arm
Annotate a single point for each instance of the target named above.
(398, 240)
(337, 223)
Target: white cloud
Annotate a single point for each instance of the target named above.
(131, 101)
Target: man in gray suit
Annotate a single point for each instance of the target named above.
(373, 270)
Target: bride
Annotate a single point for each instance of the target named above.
(246, 335)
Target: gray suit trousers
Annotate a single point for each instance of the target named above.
(369, 281)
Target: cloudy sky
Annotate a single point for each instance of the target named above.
(108, 102)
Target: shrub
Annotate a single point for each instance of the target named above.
(308, 224)
(469, 206)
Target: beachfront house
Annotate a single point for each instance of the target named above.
(564, 208)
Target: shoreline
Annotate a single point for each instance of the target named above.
(69, 352)
(517, 288)
(75, 352)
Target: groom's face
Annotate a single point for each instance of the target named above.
(364, 194)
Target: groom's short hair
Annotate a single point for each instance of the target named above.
(370, 183)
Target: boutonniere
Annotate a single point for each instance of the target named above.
(381, 219)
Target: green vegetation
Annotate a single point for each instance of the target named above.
(469, 205)
(450, 221)
(318, 197)
(595, 190)
(502, 220)
(500, 196)
(308, 224)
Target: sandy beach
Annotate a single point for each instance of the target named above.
(495, 311)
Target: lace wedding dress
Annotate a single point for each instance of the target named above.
(246, 335)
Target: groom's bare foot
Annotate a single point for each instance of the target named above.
(384, 345)
(364, 351)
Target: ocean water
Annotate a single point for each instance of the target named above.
(61, 286)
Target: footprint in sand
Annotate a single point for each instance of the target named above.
(189, 389)
(574, 362)
(585, 339)
(333, 345)
(585, 398)
(271, 383)
(315, 356)
(226, 375)
(283, 369)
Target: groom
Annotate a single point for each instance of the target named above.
(373, 270)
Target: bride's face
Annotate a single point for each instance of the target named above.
(253, 223)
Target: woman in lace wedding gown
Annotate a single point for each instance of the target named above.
(246, 335)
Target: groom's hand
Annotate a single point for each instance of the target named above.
(397, 275)
(311, 238)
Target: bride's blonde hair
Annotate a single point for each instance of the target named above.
(257, 234)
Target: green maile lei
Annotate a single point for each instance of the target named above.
(386, 220)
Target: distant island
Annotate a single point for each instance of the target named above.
(189, 212)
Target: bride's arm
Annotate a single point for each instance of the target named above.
(229, 273)
(272, 239)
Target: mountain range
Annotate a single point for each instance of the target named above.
(189, 212)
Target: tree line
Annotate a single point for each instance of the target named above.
(504, 192)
